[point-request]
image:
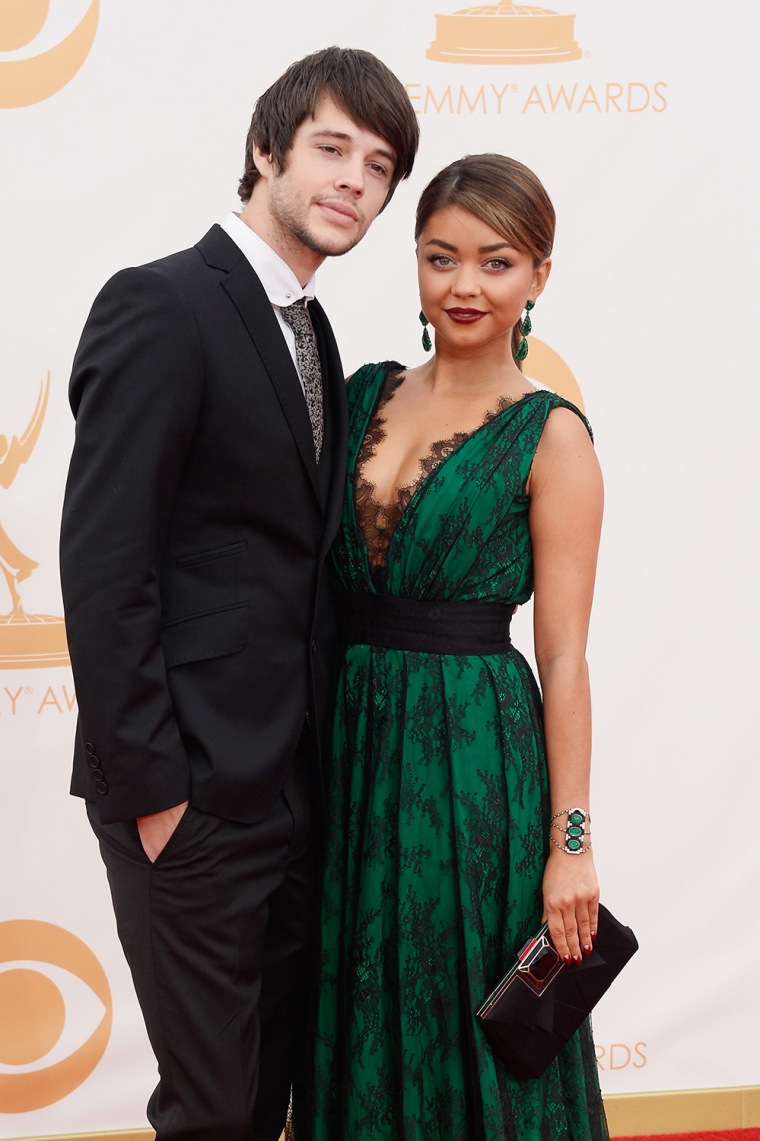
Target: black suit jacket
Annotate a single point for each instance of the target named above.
(195, 528)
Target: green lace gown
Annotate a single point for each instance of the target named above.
(438, 814)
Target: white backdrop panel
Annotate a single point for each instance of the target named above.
(647, 146)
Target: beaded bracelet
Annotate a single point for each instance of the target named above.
(575, 830)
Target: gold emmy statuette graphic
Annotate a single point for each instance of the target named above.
(504, 33)
(35, 1014)
(26, 81)
(26, 640)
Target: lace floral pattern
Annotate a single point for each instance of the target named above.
(378, 521)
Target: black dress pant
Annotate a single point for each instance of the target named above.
(216, 933)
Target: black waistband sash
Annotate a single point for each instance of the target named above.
(428, 627)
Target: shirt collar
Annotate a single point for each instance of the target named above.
(281, 285)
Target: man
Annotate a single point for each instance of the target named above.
(203, 495)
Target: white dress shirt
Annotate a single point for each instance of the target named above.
(281, 285)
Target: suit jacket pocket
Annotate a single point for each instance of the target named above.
(210, 556)
(213, 634)
(201, 581)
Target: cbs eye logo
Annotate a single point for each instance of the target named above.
(55, 1014)
(29, 78)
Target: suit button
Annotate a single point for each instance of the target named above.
(102, 788)
(89, 748)
(93, 760)
(96, 774)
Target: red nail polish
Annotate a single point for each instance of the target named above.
(577, 959)
(593, 936)
(587, 950)
(568, 959)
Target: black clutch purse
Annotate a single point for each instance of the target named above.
(542, 1001)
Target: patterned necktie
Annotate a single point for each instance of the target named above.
(307, 358)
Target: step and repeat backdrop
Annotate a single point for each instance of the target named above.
(122, 124)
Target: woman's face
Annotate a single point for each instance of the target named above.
(473, 284)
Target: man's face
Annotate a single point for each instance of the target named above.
(334, 182)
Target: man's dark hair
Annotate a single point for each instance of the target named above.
(359, 83)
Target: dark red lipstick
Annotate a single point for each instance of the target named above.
(465, 316)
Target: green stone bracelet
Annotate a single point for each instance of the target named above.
(575, 831)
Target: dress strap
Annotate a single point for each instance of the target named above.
(424, 626)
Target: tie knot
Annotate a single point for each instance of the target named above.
(297, 316)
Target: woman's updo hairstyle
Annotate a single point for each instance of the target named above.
(501, 192)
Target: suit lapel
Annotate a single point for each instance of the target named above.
(255, 310)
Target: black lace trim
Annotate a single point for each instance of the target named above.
(378, 521)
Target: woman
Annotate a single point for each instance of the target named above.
(451, 785)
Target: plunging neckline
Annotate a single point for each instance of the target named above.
(369, 511)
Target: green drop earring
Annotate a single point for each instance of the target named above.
(525, 329)
(427, 344)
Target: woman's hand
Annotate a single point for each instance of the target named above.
(571, 903)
